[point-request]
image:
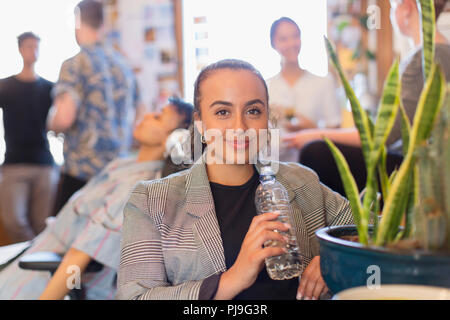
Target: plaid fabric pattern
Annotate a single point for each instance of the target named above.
(171, 239)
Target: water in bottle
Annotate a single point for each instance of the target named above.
(271, 196)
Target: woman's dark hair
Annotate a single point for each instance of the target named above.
(26, 35)
(91, 13)
(185, 109)
(231, 64)
(276, 24)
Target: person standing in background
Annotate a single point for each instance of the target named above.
(28, 175)
(300, 99)
(96, 98)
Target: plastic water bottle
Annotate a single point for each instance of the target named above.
(271, 196)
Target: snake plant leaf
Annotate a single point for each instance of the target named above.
(392, 177)
(371, 124)
(430, 103)
(411, 203)
(394, 203)
(371, 182)
(428, 17)
(351, 190)
(382, 172)
(360, 117)
(402, 209)
(387, 111)
(428, 108)
(405, 128)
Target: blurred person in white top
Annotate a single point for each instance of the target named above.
(299, 99)
(298, 94)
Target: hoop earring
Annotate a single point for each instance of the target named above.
(269, 136)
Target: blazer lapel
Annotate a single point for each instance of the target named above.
(200, 205)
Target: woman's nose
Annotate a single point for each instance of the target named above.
(239, 123)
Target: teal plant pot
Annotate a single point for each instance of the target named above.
(345, 264)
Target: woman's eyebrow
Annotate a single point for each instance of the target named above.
(223, 103)
(226, 103)
(255, 101)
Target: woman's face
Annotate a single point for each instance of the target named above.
(154, 128)
(233, 110)
(287, 41)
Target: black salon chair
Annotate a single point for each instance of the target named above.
(49, 262)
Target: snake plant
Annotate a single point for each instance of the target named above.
(432, 212)
(400, 190)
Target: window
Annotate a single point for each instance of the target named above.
(217, 29)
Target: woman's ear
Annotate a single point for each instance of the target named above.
(198, 123)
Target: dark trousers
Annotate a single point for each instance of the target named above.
(68, 185)
(319, 158)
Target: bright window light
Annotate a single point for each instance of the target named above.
(217, 29)
(53, 21)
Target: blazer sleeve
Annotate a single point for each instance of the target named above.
(321, 208)
(142, 273)
(337, 208)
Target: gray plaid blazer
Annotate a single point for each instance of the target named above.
(171, 239)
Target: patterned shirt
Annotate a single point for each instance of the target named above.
(90, 222)
(106, 94)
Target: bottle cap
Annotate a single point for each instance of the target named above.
(267, 171)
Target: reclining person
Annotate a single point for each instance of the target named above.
(89, 226)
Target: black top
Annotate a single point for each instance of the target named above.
(25, 108)
(235, 209)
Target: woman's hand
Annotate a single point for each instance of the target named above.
(312, 285)
(299, 123)
(250, 260)
(300, 139)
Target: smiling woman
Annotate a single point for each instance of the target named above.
(196, 235)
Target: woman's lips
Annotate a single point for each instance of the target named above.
(239, 144)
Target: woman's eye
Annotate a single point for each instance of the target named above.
(222, 113)
(254, 111)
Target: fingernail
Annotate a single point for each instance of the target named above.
(287, 225)
(299, 296)
(307, 298)
(314, 298)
